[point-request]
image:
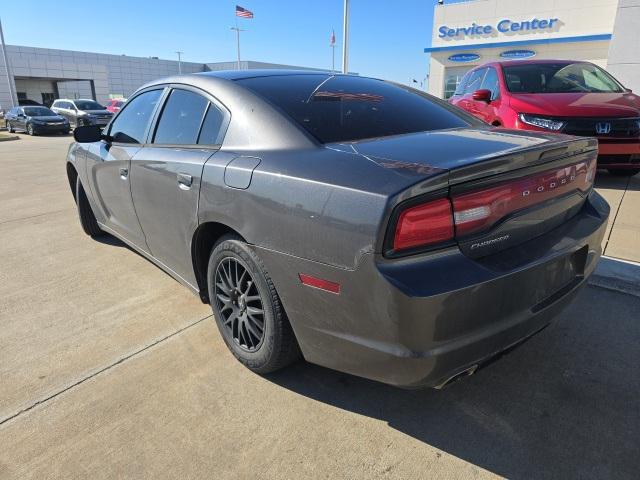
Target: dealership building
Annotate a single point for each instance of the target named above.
(44, 74)
(471, 33)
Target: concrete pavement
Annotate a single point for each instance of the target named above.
(109, 368)
(623, 232)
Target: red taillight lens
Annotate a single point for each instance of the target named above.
(478, 210)
(424, 225)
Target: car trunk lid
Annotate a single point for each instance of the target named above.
(505, 187)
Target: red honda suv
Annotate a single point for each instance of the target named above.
(576, 98)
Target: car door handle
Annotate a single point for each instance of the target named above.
(124, 173)
(184, 181)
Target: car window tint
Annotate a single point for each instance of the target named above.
(131, 124)
(348, 108)
(475, 80)
(490, 82)
(210, 133)
(181, 118)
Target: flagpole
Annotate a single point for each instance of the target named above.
(345, 39)
(333, 58)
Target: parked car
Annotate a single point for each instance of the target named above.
(114, 105)
(82, 112)
(35, 120)
(577, 98)
(364, 225)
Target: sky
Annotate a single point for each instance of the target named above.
(387, 37)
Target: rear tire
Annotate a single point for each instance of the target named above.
(240, 288)
(10, 127)
(624, 172)
(87, 218)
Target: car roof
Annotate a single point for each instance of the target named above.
(242, 74)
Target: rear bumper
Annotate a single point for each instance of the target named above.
(419, 321)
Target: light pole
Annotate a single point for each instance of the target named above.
(179, 61)
(6, 65)
(345, 38)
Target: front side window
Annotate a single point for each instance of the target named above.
(181, 118)
(559, 78)
(348, 108)
(132, 122)
(491, 83)
(475, 80)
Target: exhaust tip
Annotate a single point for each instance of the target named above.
(464, 373)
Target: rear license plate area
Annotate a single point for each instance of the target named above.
(559, 277)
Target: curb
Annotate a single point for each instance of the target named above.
(8, 138)
(619, 275)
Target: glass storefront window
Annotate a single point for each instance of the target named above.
(452, 77)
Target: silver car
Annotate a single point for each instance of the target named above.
(363, 225)
(81, 112)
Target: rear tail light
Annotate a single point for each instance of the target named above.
(425, 224)
(437, 222)
(479, 210)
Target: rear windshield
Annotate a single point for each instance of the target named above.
(88, 105)
(559, 78)
(348, 108)
(38, 112)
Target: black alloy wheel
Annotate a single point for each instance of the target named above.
(239, 303)
(247, 309)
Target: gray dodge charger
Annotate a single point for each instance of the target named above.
(360, 224)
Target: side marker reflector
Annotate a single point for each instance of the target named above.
(315, 282)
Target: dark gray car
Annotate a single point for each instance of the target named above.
(364, 225)
(35, 120)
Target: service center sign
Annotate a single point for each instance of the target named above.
(503, 26)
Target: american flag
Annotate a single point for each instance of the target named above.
(332, 39)
(243, 12)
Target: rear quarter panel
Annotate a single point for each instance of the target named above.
(305, 203)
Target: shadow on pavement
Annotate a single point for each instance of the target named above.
(563, 405)
(608, 181)
(108, 239)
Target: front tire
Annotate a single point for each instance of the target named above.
(10, 127)
(87, 218)
(624, 172)
(247, 308)
(30, 130)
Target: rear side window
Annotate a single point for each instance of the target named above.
(132, 122)
(181, 118)
(211, 127)
(348, 108)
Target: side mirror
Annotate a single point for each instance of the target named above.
(628, 90)
(482, 95)
(87, 134)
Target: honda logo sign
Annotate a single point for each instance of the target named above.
(603, 128)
